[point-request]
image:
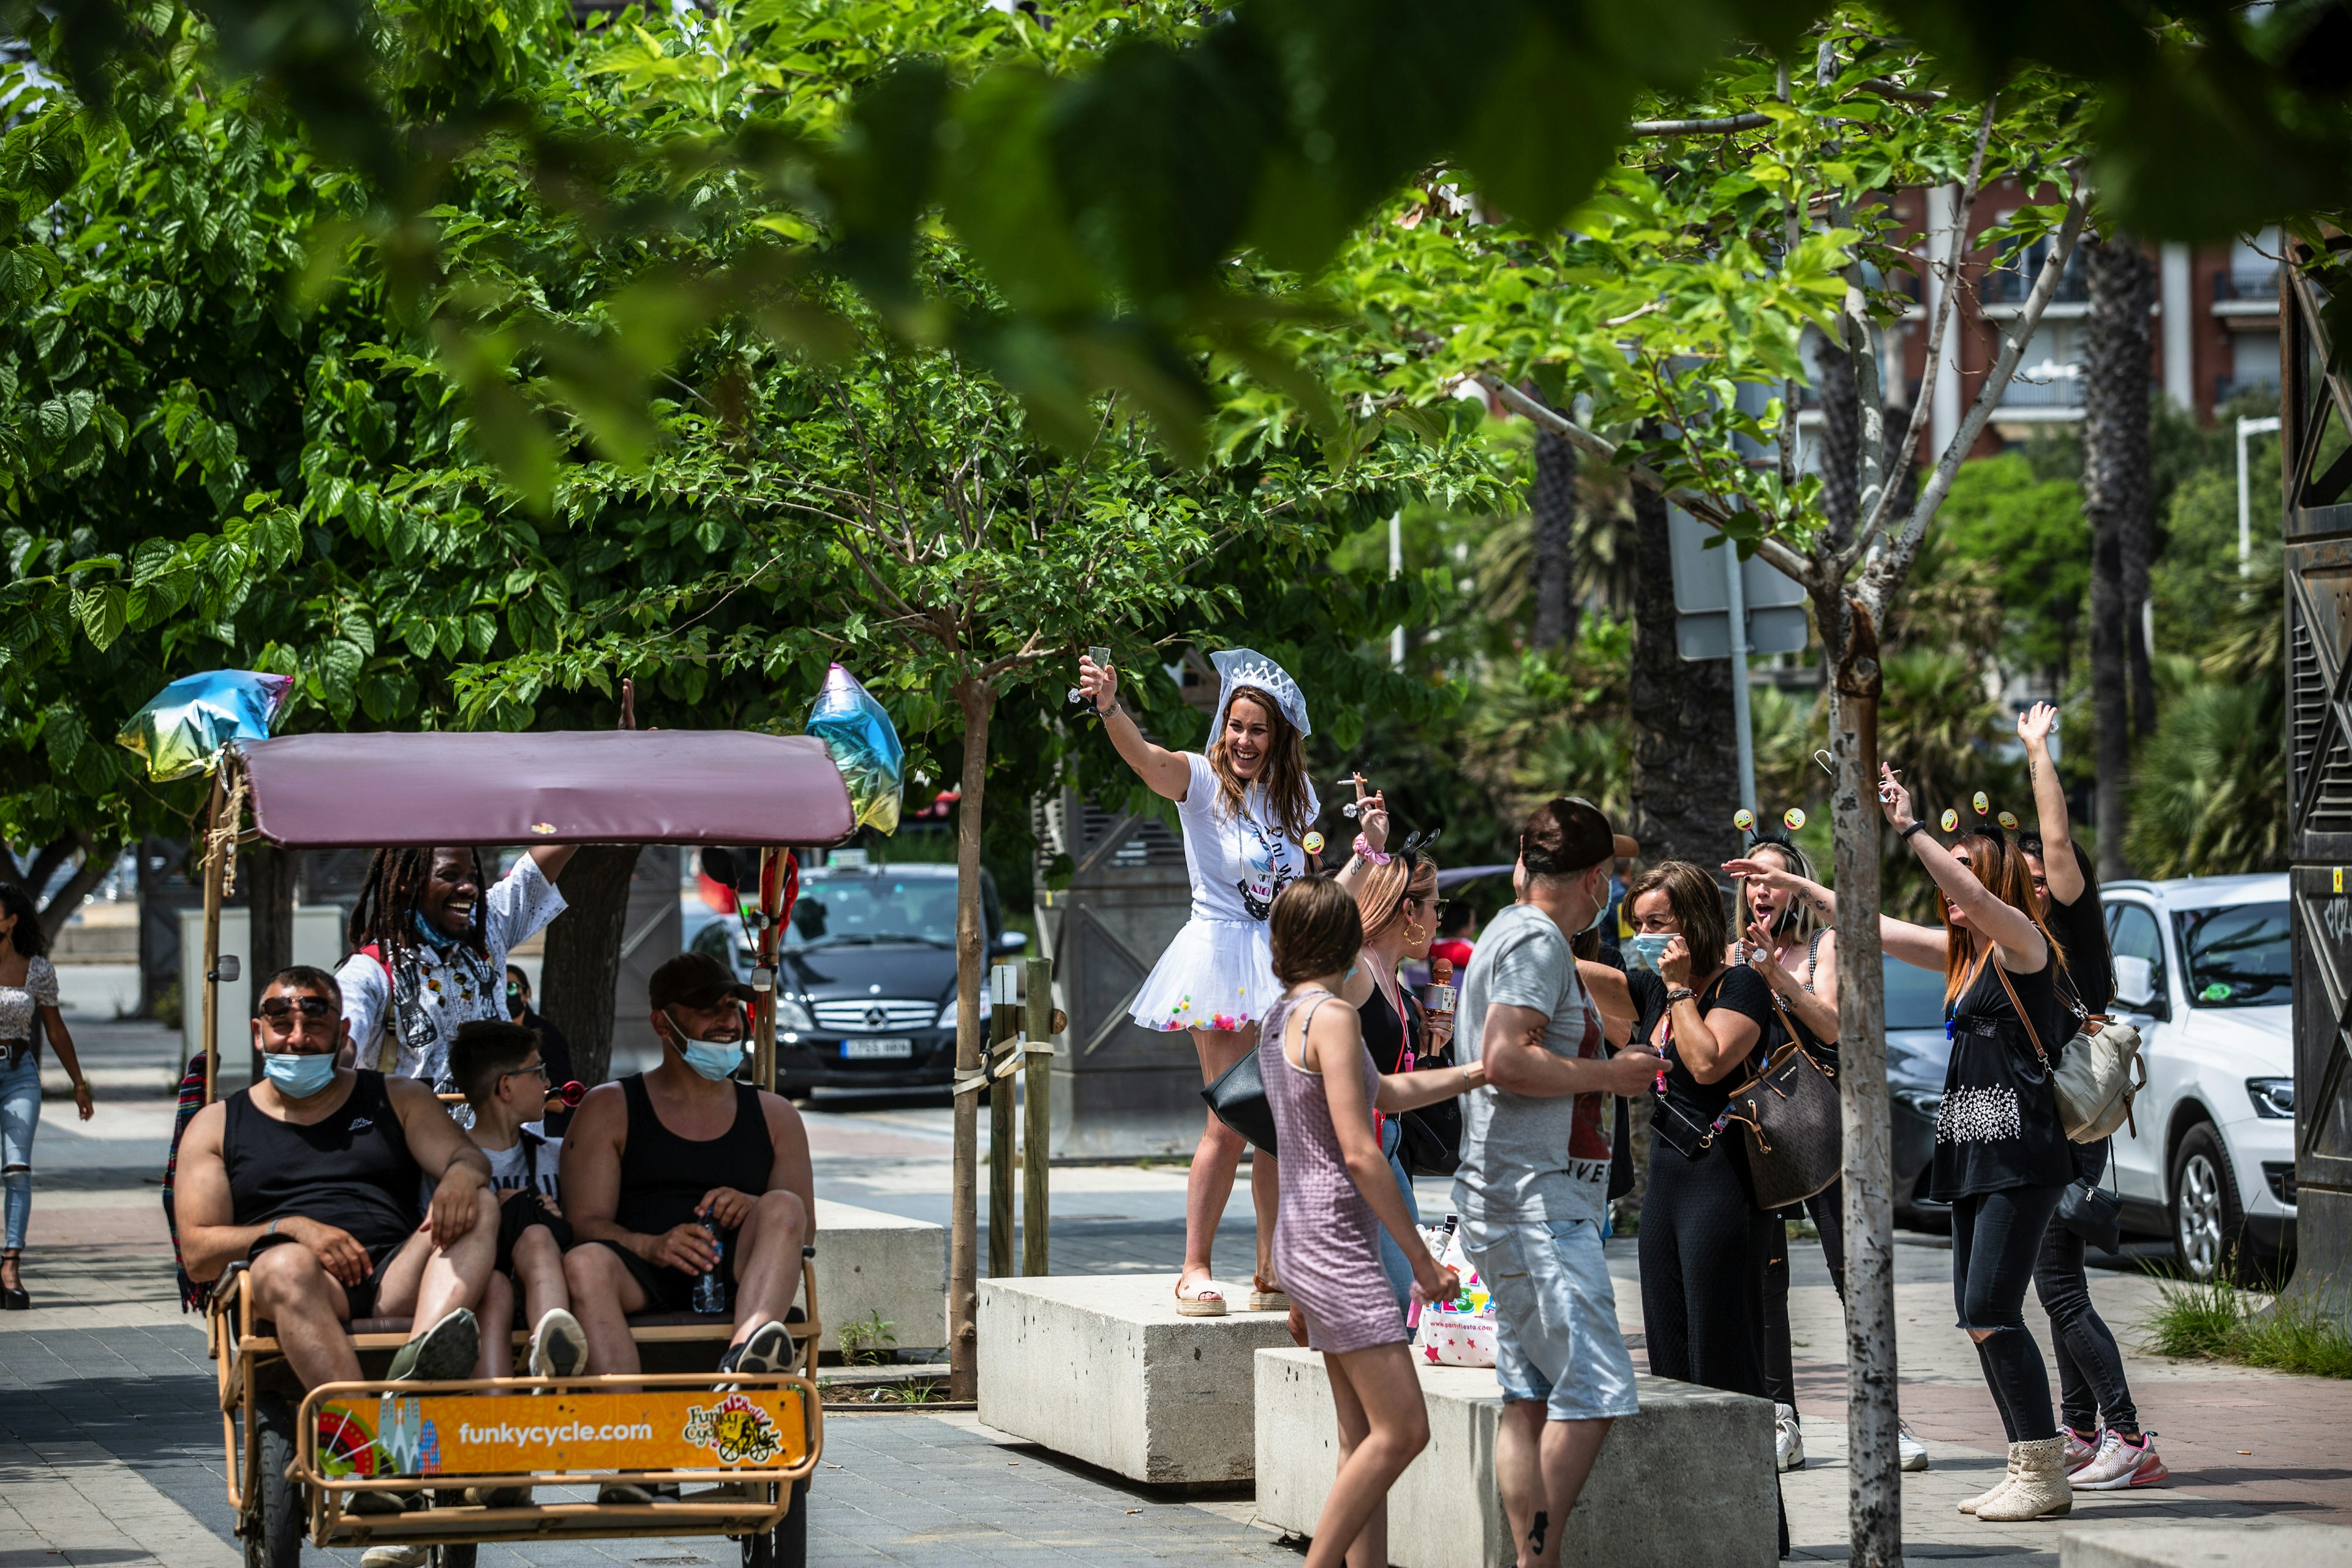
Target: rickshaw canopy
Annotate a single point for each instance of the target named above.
(583, 786)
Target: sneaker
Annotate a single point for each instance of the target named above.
(624, 1491)
(1788, 1442)
(385, 1502)
(442, 1353)
(767, 1348)
(2131, 1462)
(2080, 1451)
(559, 1346)
(498, 1497)
(1913, 1452)
(395, 1557)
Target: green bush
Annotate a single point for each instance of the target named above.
(2216, 1321)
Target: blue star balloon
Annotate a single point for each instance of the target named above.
(863, 745)
(182, 727)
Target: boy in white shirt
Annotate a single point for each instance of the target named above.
(496, 1065)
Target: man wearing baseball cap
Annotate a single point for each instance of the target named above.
(1533, 1174)
(652, 1158)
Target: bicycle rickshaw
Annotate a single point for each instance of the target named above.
(296, 1462)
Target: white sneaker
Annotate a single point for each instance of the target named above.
(394, 1557)
(1788, 1442)
(1913, 1452)
(558, 1345)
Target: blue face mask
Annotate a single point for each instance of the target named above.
(299, 1075)
(1643, 951)
(714, 1059)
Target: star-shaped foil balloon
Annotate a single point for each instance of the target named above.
(863, 745)
(184, 727)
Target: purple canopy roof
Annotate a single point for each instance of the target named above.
(591, 786)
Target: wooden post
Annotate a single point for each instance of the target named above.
(763, 1024)
(212, 872)
(1001, 1025)
(1038, 1074)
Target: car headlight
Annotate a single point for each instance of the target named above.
(2272, 1097)
(792, 1017)
(946, 1012)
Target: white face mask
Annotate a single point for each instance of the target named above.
(1601, 907)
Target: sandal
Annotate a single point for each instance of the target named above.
(1266, 1297)
(1204, 1302)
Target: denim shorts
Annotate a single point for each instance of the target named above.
(1556, 1334)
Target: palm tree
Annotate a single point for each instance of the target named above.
(2116, 500)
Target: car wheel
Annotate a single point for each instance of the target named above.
(2208, 1221)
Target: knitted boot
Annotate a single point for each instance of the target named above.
(2040, 1490)
(1999, 1487)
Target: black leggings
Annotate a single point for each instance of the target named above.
(1704, 1246)
(1827, 1209)
(1996, 1237)
(2090, 1368)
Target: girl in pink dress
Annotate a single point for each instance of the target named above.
(1338, 1194)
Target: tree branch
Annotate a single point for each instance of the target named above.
(1778, 554)
(1946, 307)
(1896, 562)
(1719, 125)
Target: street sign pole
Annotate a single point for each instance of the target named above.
(1743, 723)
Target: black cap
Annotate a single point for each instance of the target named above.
(694, 980)
(1567, 835)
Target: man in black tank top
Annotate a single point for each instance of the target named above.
(313, 1174)
(650, 1157)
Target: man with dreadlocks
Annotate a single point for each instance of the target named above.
(431, 950)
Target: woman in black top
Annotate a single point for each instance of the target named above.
(1704, 1243)
(1398, 901)
(2001, 1155)
(2091, 1381)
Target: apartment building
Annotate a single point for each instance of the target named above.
(2215, 336)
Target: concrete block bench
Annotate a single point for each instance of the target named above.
(869, 1262)
(1100, 1367)
(1687, 1480)
(2207, 1543)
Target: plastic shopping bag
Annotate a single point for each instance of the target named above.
(1460, 1333)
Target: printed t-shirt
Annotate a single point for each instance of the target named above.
(1527, 1158)
(1238, 861)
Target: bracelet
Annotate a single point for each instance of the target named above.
(272, 1230)
(1369, 856)
(1915, 827)
(1680, 994)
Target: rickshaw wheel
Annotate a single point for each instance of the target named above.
(274, 1539)
(791, 1535)
(758, 1551)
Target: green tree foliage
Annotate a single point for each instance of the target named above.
(2031, 532)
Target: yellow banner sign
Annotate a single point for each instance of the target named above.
(480, 1434)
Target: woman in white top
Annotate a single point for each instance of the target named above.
(1246, 806)
(29, 1009)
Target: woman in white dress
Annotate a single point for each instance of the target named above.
(1246, 806)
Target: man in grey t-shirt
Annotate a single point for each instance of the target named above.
(1533, 1174)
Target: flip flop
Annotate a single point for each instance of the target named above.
(1266, 1298)
(1204, 1302)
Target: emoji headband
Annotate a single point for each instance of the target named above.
(1996, 828)
(1792, 820)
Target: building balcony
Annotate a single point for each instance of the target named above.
(2246, 291)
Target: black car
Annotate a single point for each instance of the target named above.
(865, 975)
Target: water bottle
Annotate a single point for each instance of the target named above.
(709, 1289)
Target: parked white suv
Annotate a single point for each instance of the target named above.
(2202, 967)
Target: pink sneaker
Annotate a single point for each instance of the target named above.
(2129, 1463)
(2079, 1453)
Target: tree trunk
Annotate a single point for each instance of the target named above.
(97, 860)
(1554, 506)
(267, 874)
(1840, 435)
(1874, 1487)
(978, 700)
(2115, 498)
(1686, 775)
(584, 952)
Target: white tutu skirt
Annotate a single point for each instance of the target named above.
(1216, 974)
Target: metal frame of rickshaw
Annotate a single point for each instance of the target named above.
(246, 1357)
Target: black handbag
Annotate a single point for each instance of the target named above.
(2092, 1213)
(1796, 1138)
(1238, 1098)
